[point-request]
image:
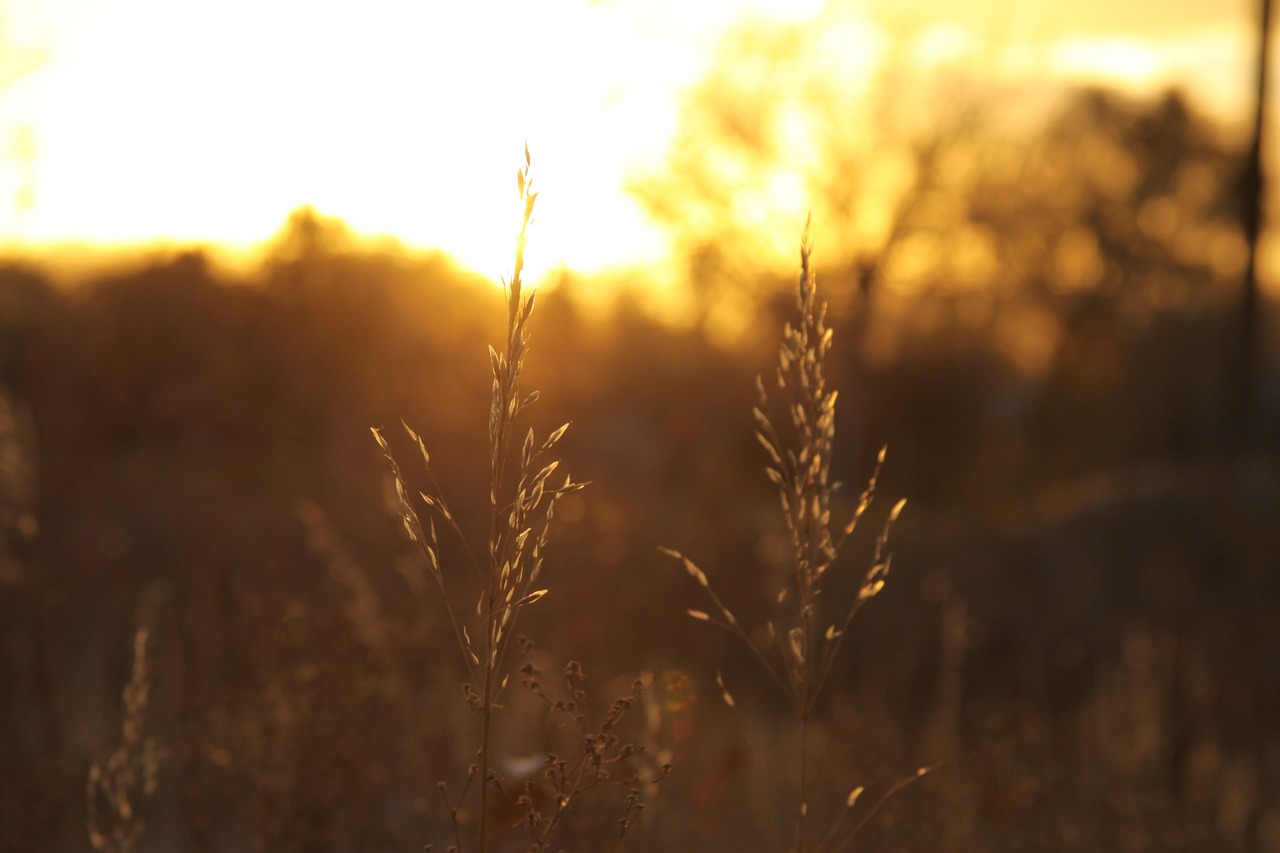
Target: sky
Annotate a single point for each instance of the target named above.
(130, 122)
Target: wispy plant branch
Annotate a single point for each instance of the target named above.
(520, 517)
(804, 643)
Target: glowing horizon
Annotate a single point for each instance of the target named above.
(155, 122)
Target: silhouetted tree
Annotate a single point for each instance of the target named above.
(1253, 187)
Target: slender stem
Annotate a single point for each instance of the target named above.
(803, 811)
(884, 798)
(486, 713)
(453, 814)
(504, 407)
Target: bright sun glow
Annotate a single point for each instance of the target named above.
(159, 120)
(169, 120)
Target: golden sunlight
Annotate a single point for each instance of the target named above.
(150, 120)
(155, 122)
(147, 120)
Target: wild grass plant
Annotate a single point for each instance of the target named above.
(522, 503)
(494, 802)
(117, 790)
(808, 629)
(593, 763)
(295, 733)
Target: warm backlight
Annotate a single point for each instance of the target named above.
(135, 121)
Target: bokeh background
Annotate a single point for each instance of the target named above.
(237, 236)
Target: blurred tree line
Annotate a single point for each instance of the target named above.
(1037, 321)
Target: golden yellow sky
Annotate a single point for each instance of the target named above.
(134, 121)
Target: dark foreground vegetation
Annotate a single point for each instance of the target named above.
(1080, 629)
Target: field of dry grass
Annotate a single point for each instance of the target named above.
(1075, 639)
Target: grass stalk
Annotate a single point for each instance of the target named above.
(805, 640)
(520, 516)
(117, 790)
